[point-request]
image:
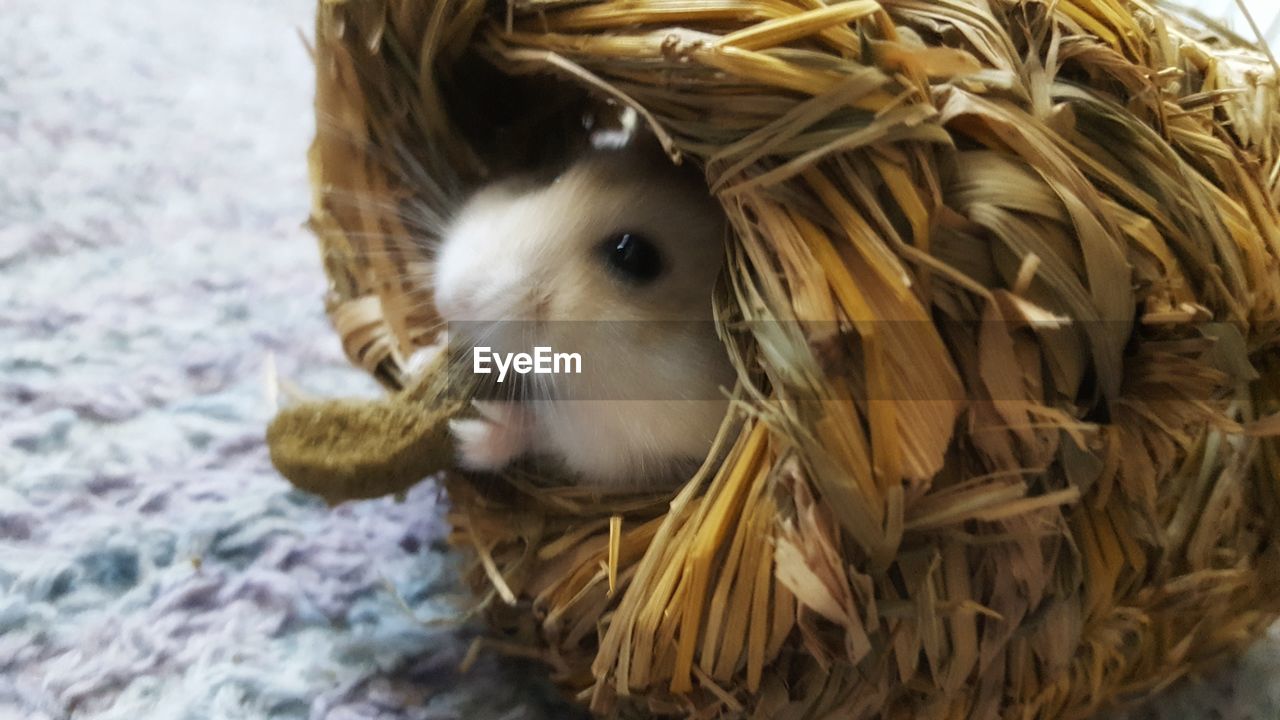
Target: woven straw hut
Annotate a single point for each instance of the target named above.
(1004, 295)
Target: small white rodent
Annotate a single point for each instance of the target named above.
(615, 259)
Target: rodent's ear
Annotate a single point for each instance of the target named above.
(615, 129)
(612, 128)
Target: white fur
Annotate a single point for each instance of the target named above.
(533, 254)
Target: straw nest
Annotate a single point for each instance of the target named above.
(1008, 450)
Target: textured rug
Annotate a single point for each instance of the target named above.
(152, 266)
(152, 565)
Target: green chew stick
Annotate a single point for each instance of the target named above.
(347, 449)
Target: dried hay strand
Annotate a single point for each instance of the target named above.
(1004, 294)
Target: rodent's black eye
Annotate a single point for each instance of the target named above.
(633, 257)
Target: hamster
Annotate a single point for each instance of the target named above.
(615, 260)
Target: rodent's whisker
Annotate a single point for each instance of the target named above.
(415, 215)
(410, 244)
(400, 160)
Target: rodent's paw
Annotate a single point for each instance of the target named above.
(487, 445)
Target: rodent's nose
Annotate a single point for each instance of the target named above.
(464, 298)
